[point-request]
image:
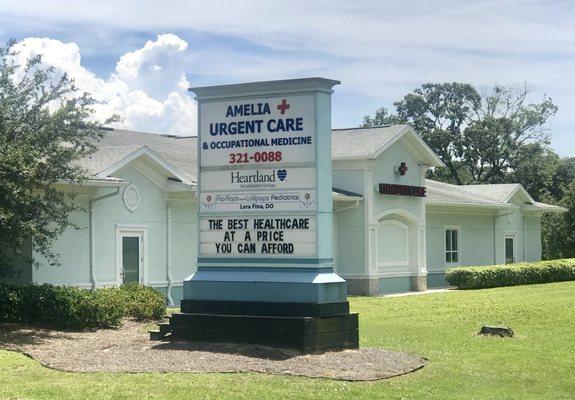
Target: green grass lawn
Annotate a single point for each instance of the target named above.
(538, 364)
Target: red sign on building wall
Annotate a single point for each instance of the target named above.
(402, 190)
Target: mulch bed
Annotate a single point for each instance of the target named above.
(128, 349)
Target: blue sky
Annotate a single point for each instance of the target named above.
(380, 50)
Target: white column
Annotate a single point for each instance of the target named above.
(419, 279)
(369, 228)
(422, 229)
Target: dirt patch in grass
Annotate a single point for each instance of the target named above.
(128, 349)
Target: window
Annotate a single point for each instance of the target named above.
(451, 245)
(509, 250)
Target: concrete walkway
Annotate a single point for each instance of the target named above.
(430, 291)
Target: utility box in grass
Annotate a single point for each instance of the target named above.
(265, 259)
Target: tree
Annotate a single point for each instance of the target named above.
(503, 130)
(439, 113)
(564, 176)
(478, 136)
(381, 118)
(558, 230)
(46, 125)
(536, 166)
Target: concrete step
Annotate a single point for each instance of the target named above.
(156, 335)
(163, 332)
(165, 327)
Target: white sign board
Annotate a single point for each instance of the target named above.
(252, 132)
(257, 170)
(258, 201)
(260, 179)
(258, 236)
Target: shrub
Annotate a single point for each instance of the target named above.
(69, 307)
(9, 299)
(512, 274)
(143, 302)
(63, 307)
(111, 308)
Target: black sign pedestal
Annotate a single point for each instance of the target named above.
(305, 327)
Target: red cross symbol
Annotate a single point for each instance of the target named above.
(283, 106)
(402, 168)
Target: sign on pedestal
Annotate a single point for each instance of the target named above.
(265, 212)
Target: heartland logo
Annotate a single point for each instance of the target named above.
(257, 176)
(282, 174)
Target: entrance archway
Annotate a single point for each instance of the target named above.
(397, 243)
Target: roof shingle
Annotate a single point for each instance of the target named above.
(362, 142)
(181, 152)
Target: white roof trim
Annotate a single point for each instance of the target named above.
(408, 129)
(480, 205)
(434, 156)
(104, 182)
(143, 150)
(344, 197)
(539, 206)
(522, 189)
(172, 186)
(549, 207)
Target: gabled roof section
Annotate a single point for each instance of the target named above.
(143, 151)
(485, 195)
(502, 192)
(177, 155)
(179, 151)
(369, 143)
(441, 193)
(104, 157)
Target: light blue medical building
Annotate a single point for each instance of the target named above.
(393, 229)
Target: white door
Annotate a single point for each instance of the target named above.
(130, 255)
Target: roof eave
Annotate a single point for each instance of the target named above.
(549, 208)
(474, 205)
(108, 183)
(352, 158)
(345, 198)
(173, 187)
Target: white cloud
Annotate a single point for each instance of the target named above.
(148, 88)
(156, 68)
(380, 50)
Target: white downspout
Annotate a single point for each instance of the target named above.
(495, 234)
(169, 277)
(93, 279)
(495, 240)
(169, 253)
(524, 238)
